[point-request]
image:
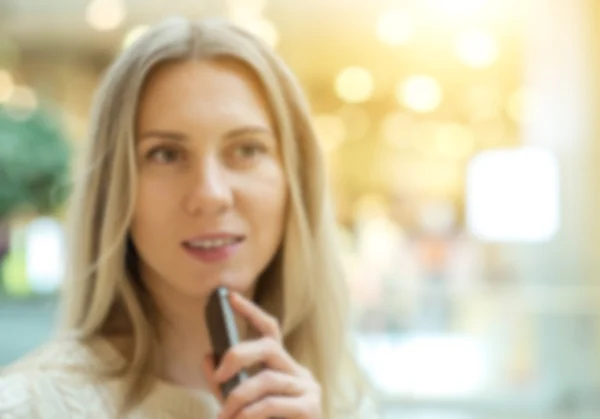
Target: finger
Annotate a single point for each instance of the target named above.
(264, 384)
(266, 324)
(280, 407)
(264, 351)
(208, 367)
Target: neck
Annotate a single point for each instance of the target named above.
(183, 336)
(184, 343)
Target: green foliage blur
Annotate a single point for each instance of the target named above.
(34, 162)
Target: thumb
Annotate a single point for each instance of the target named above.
(209, 368)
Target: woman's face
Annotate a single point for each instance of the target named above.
(211, 195)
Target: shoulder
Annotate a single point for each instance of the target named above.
(51, 382)
(57, 356)
(16, 396)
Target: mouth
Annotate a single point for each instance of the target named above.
(212, 243)
(213, 249)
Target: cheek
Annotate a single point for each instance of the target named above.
(267, 204)
(271, 193)
(154, 201)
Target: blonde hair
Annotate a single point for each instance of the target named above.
(303, 287)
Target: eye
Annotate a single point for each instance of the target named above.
(163, 155)
(249, 151)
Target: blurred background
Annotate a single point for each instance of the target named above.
(464, 150)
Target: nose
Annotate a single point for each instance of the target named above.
(209, 192)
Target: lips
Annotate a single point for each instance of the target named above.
(209, 243)
(213, 248)
(213, 241)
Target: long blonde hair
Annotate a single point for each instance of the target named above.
(303, 287)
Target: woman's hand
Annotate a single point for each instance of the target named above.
(283, 389)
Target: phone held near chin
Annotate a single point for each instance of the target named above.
(223, 332)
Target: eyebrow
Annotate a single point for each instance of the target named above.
(179, 136)
(251, 129)
(165, 135)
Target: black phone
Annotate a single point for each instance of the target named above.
(223, 332)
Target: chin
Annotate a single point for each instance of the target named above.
(240, 283)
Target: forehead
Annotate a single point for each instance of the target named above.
(203, 89)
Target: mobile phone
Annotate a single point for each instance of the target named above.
(223, 333)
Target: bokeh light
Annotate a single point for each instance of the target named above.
(458, 9)
(477, 48)
(419, 93)
(7, 86)
(395, 27)
(245, 10)
(354, 85)
(517, 205)
(105, 15)
(264, 29)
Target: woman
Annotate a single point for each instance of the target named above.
(203, 171)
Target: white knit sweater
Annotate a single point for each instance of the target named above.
(49, 384)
